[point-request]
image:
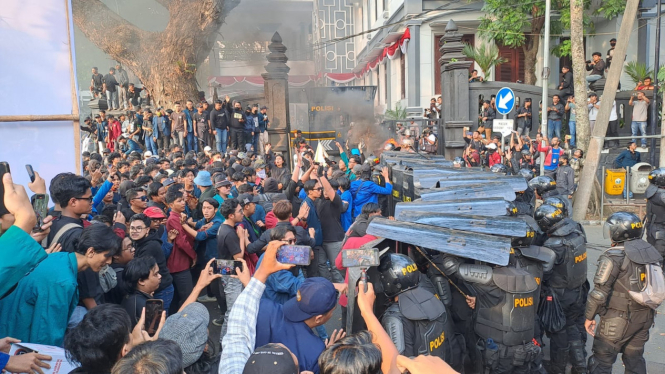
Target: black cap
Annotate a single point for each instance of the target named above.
(264, 107)
(245, 198)
(613, 40)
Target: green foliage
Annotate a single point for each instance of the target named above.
(637, 71)
(562, 49)
(611, 8)
(398, 113)
(486, 56)
(507, 21)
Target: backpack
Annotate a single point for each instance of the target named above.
(653, 293)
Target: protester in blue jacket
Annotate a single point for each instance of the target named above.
(129, 144)
(364, 190)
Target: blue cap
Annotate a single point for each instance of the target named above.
(355, 151)
(203, 179)
(316, 296)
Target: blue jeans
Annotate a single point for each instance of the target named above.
(191, 142)
(112, 99)
(221, 138)
(571, 128)
(553, 126)
(166, 295)
(150, 145)
(642, 127)
(593, 78)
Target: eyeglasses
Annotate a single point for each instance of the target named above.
(142, 198)
(88, 199)
(136, 229)
(318, 189)
(289, 241)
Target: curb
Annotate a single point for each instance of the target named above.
(591, 223)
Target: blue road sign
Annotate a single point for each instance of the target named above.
(505, 101)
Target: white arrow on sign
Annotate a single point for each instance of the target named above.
(503, 100)
(326, 144)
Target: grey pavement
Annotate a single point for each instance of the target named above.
(655, 348)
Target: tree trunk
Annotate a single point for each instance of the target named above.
(530, 48)
(588, 175)
(583, 130)
(166, 61)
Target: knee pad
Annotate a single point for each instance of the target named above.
(633, 351)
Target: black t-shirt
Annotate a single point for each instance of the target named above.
(330, 213)
(228, 242)
(201, 120)
(89, 287)
(110, 81)
(219, 119)
(97, 79)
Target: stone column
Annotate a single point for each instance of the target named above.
(413, 108)
(454, 93)
(276, 87)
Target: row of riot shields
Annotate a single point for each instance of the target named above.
(465, 212)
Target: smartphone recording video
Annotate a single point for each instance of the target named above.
(294, 254)
(153, 314)
(226, 267)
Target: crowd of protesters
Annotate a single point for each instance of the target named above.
(144, 226)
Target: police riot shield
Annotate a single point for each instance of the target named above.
(482, 247)
(470, 191)
(499, 225)
(516, 183)
(489, 207)
(429, 181)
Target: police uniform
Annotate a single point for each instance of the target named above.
(525, 202)
(568, 280)
(655, 223)
(624, 323)
(504, 314)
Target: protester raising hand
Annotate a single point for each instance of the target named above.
(18, 204)
(270, 264)
(38, 186)
(334, 337)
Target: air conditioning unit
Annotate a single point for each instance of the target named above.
(386, 14)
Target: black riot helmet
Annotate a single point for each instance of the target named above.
(422, 261)
(511, 209)
(499, 168)
(557, 202)
(542, 184)
(530, 236)
(657, 177)
(389, 147)
(622, 226)
(526, 173)
(547, 216)
(398, 273)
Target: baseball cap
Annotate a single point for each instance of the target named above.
(154, 212)
(207, 149)
(245, 198)
(220, 181)
(271, 358)
(147, 154)
(316, 296)
(106, 150)
(167, 182)
(189, 329)
(203, 179)
(264, 107)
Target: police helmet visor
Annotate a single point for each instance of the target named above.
(607, 234)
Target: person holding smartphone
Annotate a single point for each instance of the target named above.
(142, 278)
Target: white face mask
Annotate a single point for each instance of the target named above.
(261, 174)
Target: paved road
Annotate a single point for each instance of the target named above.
(654, 350)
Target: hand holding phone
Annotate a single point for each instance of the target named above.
(4, 169)
(153, 314)
(294, 254)
(226, 267)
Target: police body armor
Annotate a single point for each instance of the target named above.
(525, 202)
(510, 321)
(419, 325)
(569, 243)
(655, 213)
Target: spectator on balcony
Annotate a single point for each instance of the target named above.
(639, 123)
(610, 52)
(596, 67)
(646, 85)
(475, 77)
(566, 85)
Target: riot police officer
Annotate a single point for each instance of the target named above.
(504, 304)
(499, 169)
(545, 187)
(525, 201)
(624, 271)
(416, 320)
(568, 280)
(655, 222)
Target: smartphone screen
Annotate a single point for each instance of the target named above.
(153, 314)
(31, 172)
(4, 168)
(40, 206)
(226, 267)
(294, 254)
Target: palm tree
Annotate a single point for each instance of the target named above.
(396, 114)
(637, 71)
(485, 55)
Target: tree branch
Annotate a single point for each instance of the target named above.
(107, 30)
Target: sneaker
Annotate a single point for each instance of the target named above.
(206, 299)
(218, 322)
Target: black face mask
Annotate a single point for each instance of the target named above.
(238, 109)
